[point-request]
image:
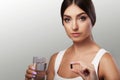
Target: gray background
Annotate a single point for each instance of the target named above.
(33, 28)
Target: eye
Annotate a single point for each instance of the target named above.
(67, 20)
(83, 18)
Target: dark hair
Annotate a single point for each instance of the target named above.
(85, 5)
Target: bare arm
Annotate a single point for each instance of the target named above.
(50, 71)
(108, 68)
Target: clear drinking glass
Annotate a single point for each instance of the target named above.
(40, 64)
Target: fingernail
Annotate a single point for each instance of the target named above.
(34, 73)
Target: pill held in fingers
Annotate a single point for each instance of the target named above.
(71, 66)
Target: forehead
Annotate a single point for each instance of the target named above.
(73, 10)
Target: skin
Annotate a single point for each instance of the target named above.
(81, 53)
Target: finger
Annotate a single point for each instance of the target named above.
(32, 67)
(75, 62)
(88, 70)
(82, 66)
(30, 72)
(80, 63)
(84, 69)
(78, 72)
(30, 76)
(90, 67)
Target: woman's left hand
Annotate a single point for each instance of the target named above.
(86, 71)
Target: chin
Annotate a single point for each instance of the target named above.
(77, 40)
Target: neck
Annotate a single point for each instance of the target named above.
(82, 46)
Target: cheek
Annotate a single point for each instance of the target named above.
(66, 29)
(88, 26)
(86, 29)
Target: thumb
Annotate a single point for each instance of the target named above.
(80, 73)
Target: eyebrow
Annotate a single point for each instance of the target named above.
(77, 14)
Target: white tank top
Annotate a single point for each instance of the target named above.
(95, 62)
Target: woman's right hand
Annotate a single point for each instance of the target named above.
(30, 72)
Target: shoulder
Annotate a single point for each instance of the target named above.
(52, 60)
(53, 57)
(107, 59)
(108, 67)
(50, 70)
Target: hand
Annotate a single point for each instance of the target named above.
(32, 73)
(86, 71)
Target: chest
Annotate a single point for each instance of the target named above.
(65, 67)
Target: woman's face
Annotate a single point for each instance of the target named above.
(77, 23)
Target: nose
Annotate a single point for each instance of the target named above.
(75, 25)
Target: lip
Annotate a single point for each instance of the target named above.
(75, 34)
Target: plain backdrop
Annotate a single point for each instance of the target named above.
(33, 28)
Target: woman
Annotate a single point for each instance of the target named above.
(84, 59)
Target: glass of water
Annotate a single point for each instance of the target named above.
(40, 64)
